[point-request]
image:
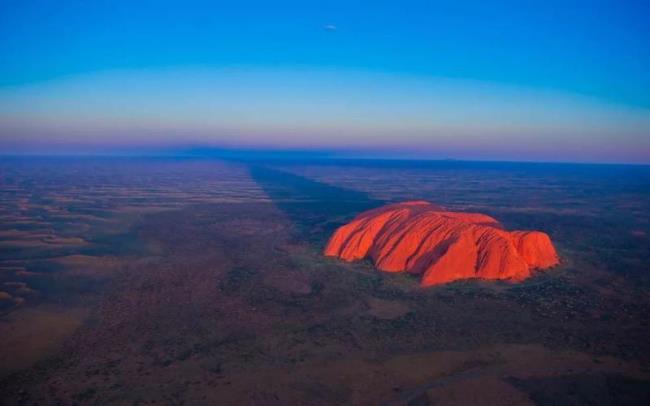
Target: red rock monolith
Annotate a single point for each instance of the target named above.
(442, 246)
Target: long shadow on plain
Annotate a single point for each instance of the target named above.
(315, 208)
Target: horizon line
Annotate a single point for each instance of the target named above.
(296, 155)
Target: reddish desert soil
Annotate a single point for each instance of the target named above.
(210, 287)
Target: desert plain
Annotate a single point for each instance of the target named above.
(203, 281)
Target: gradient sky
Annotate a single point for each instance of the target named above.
(544, 81)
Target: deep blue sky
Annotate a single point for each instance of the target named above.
(598, 50)
(595, 47)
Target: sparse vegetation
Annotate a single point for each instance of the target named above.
(201, 293)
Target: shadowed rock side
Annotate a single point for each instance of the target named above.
(443, 246)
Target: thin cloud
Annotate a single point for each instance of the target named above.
(330, 27)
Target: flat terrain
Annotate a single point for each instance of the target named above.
(160, 281)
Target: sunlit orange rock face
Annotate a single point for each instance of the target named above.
(442, 246)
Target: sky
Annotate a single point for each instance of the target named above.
(518, 80)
